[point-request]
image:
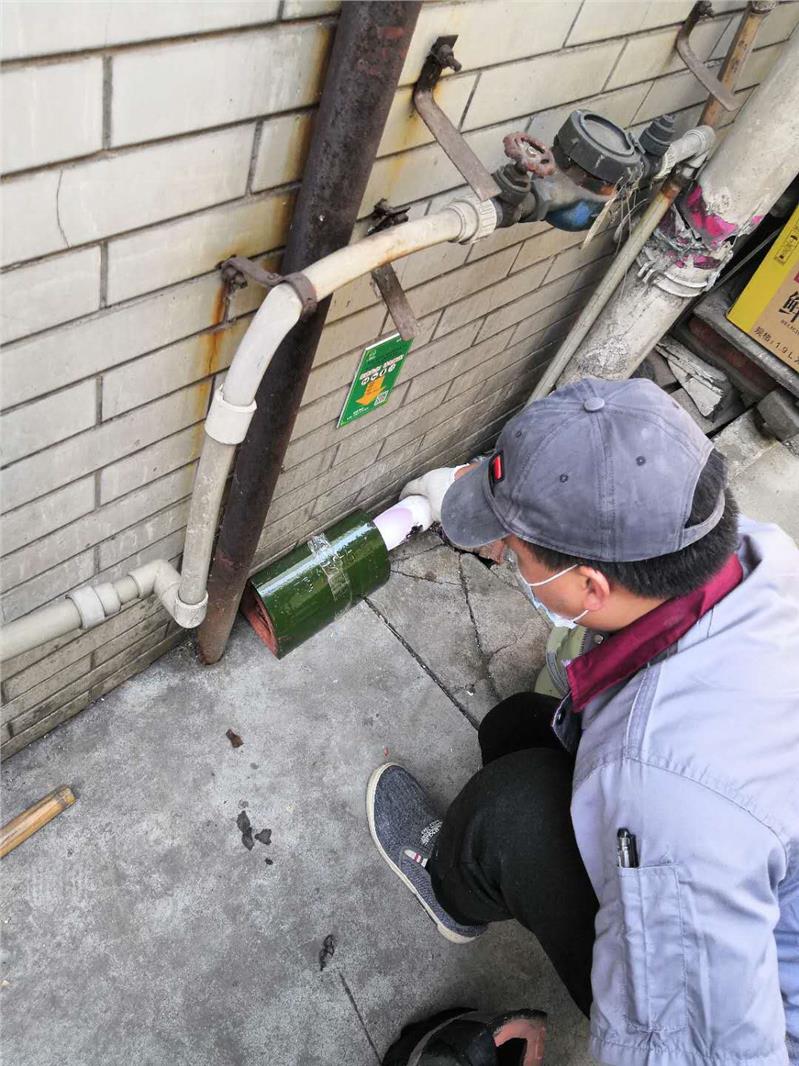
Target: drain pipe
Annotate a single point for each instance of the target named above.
(751, 168)
(661, 204)
(369, 50)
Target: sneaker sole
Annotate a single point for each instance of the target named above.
(448, 934)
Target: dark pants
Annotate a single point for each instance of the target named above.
(507, 848)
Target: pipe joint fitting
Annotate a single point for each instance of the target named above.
(109, 598)
(89, 606)
(188, 615)
(478, 217)
(228, 422)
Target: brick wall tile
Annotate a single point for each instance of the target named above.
(102, 525)
(45, 514)
(153, 627)
(302, 473)
(476, 355)
(524, 307)
(779, 25)
(484, 302)
(545, 245)
(44, 726)
(492, 31)
(355, 330)
(30, 222)
(169, 548)
(444, 291)
(610, 18)
(172, 520)
(51, 112)
(672, 93)
(527, 86)
(36, 297)
(303, 9)
(404, 126)
(109, 682)
(38, 693)
(46, 587)
(282, 150)
(127, 190)
(504, 238)
(150, 463)
(163, 255)
(574, 258)
(157, 90)
(39, 474)
(31, 428)
(38, 27)
(69, 353)
(654, 55)
(356, 296)
(29, 669)
(168, 369)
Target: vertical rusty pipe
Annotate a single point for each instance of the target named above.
(737, 54)
(366, 60)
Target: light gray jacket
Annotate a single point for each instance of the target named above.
(697, 951)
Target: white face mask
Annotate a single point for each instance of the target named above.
(558, 620)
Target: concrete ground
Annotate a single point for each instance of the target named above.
(138, 929)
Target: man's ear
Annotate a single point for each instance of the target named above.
(596, 590)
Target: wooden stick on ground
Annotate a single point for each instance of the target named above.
(13, 833)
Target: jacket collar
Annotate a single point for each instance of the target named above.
(624, 652)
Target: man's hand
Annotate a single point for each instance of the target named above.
(433, 486)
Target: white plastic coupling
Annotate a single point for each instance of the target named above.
(228, 422)
(189, 615)
(478, 217)
(89, 606)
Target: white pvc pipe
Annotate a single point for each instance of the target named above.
(347, 264)
(62, 617)
(411, 515)
(279, 312)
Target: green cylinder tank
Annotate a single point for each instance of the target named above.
(296, 596)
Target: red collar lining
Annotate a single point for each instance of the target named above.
(624, 653)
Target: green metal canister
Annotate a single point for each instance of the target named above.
(299, 594)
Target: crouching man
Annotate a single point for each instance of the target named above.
(645, 824)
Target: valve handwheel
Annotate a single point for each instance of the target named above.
(529, 154)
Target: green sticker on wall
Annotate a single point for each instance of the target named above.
(375, 377)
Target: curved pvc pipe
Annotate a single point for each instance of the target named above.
(279, 312)
(412, 514)
(347, 264)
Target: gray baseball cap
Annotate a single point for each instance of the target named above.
(604, 470)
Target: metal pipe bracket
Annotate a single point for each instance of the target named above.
(440, 58)
(238, 271)
(702, 9)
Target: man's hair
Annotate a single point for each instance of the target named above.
(680, 572)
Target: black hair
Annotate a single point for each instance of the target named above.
(680, 572)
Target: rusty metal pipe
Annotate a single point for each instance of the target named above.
(737, 54)
(558, 371)
(368, 53)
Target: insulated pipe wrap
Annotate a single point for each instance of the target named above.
(296, 596)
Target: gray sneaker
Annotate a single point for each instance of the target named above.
(405, 827)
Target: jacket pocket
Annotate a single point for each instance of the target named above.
(654, 950)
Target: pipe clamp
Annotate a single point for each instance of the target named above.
(228, 422)
(109, 598)
(478, 217)
(89, 606)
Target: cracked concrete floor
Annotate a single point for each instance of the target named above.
(137, 928)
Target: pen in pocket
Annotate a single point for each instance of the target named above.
(626, 848)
